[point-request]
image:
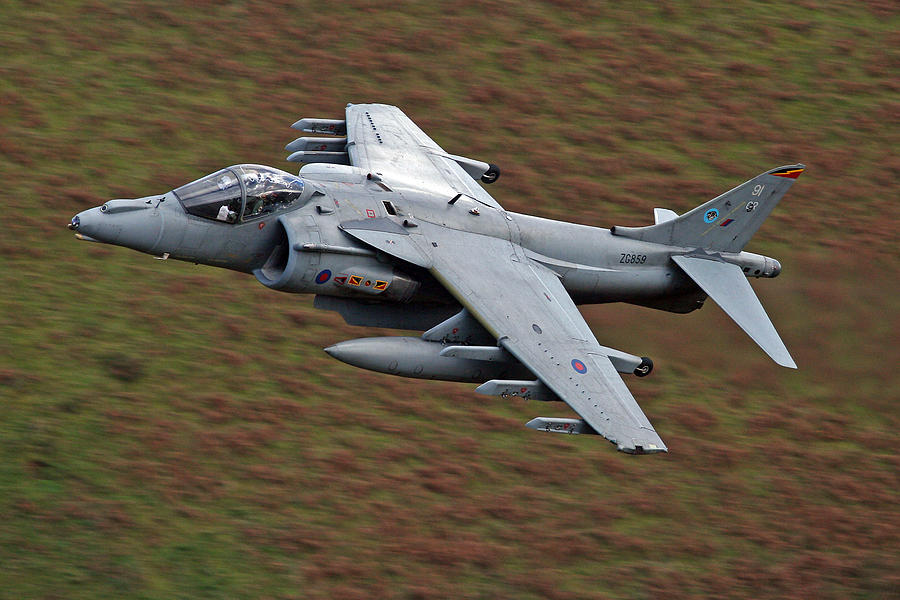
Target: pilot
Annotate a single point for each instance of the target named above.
(257, 206)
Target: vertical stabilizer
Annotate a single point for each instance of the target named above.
(725, 223)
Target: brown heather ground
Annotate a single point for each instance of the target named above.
(171, 431)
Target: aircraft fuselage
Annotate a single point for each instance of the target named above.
(302, 248)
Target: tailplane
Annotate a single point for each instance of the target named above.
(725, 223)
(726, 284)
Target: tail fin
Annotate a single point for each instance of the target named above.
(725, 223)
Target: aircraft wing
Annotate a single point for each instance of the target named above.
(520, 302)
(525, 306)
(382, 139)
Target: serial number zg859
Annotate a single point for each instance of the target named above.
(633, 259)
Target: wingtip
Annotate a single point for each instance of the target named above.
(645, 445)
(639, 450)
(780, 356)
(783, 358)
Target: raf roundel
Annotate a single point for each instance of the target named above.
(579, 366)
(323, 276)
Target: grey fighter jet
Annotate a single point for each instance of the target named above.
(390, 230)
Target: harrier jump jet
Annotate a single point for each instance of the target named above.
(390, 230)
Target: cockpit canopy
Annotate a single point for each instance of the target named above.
(240, 193)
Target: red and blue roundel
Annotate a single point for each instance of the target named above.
(579, 366)
(323, 276)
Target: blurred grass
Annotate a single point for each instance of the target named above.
(168, 430)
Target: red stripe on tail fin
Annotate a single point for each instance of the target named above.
(789, 173)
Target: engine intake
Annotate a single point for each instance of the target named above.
(296, 266)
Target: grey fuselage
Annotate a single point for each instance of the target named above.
(301, 248)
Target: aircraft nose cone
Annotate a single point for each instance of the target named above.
(87, 225)
(133, 223)
(776, 268)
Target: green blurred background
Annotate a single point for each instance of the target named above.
(175, 431)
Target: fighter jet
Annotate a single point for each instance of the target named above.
(390, 230)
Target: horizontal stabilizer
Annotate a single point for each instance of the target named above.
(558, 425)
(726, 284)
